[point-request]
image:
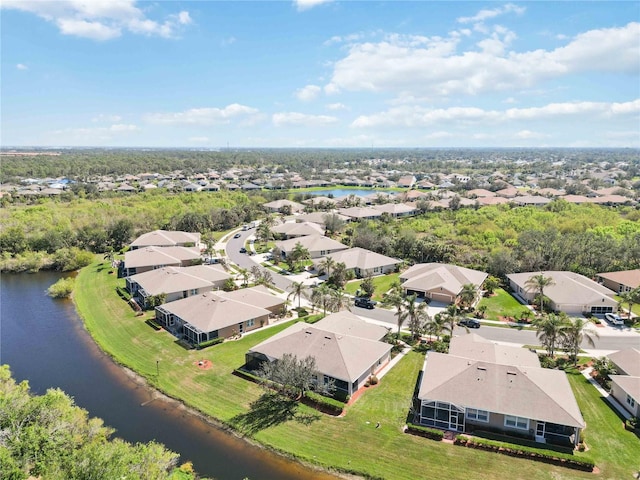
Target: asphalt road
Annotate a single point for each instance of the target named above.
(610, 341)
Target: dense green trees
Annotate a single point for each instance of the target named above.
(48, 436)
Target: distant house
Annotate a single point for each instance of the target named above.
(625, 387)
(346, 349)
(279, 206)
(213, 315)
(406, 181)
(620, 282)
(531, 200)
(295, 229)
(363, 262)
(176, 282)
(150, 258)
(486, 387)
(396, 209)
(166, 238)
(571, 293)
(360, 213)
(317, 245)
(318, 217)
(439, 281)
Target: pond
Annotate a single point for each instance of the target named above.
(45, 342)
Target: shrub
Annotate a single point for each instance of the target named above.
(153, 324)
(302, 312)
(62, 288)
(209, 343)
(432, 433)
(555, 458)
(325, 404)
(123, 293)
(373, 380)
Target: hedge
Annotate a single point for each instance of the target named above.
(432, 433)
(555, 458)
(521, 441)
(123, 293)
(153, 324)
(325, 404)
(209, 343)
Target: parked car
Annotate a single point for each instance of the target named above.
(365, 302)
(237, 235)
(614, 319)
(469, 323)
(243, 250)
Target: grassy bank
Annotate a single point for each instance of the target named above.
(349, 443)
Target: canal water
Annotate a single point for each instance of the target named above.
(44, 341)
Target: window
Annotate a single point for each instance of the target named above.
(601, 310)
(323, 253)
(478, 415)
(193, 291)
(516, 422)
(630, 401)
(251, 323)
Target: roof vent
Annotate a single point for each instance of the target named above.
(484, 369)
(510, 372)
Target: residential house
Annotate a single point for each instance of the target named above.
(625, 387)
(406, 181)
(279, 206)
(620, 282)
(317, 245)
(497, 389)
(396, 210)
(166, 238)
(439, 281)
(531, 200)
(346, 354)
(360, 213)
(297, 229)
(211, 315)
(176, 282)
(570, 292)
(259, 296)
(318, 217)
(150, 258)
(363, 262)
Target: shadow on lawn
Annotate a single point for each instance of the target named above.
(270, 410)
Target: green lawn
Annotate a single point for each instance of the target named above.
(615, 450)
(635, 309)
(349, 443)
(382, 284)
(502, 304)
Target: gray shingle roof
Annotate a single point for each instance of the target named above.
(628, 360)
(176, 279)
(429, 276)
(148, 256)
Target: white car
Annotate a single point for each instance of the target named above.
(614, 319)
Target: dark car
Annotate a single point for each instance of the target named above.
(237, 235)
(365, 302)
(469, 323)
(243, 250)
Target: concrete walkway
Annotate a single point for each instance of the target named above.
(612, 401)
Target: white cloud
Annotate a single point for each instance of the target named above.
(228, 41)
(100, 19)
(337, 106)
(422, 66)
(307, 4)
(483, 15)
(87, 135)
(199, 139)
(416, 116)
(206, 116)
(302, 119)
(106, 118)
(308, 93)
(22, 66)
(529, 135)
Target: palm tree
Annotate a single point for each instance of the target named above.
(450, 316)
(339, 300)
(577, 330)
(395, 298)
(244, 274)
(551, 331)
(538, 283)
(326, 265)
(437, 325)
(468, 294)
(630, 298)
(323, 296)
(417, 314)
(297, 255)
(297, 289)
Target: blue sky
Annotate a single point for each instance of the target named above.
(317, 73)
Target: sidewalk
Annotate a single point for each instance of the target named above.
(612, 401)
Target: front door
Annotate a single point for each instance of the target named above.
(540, 430)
